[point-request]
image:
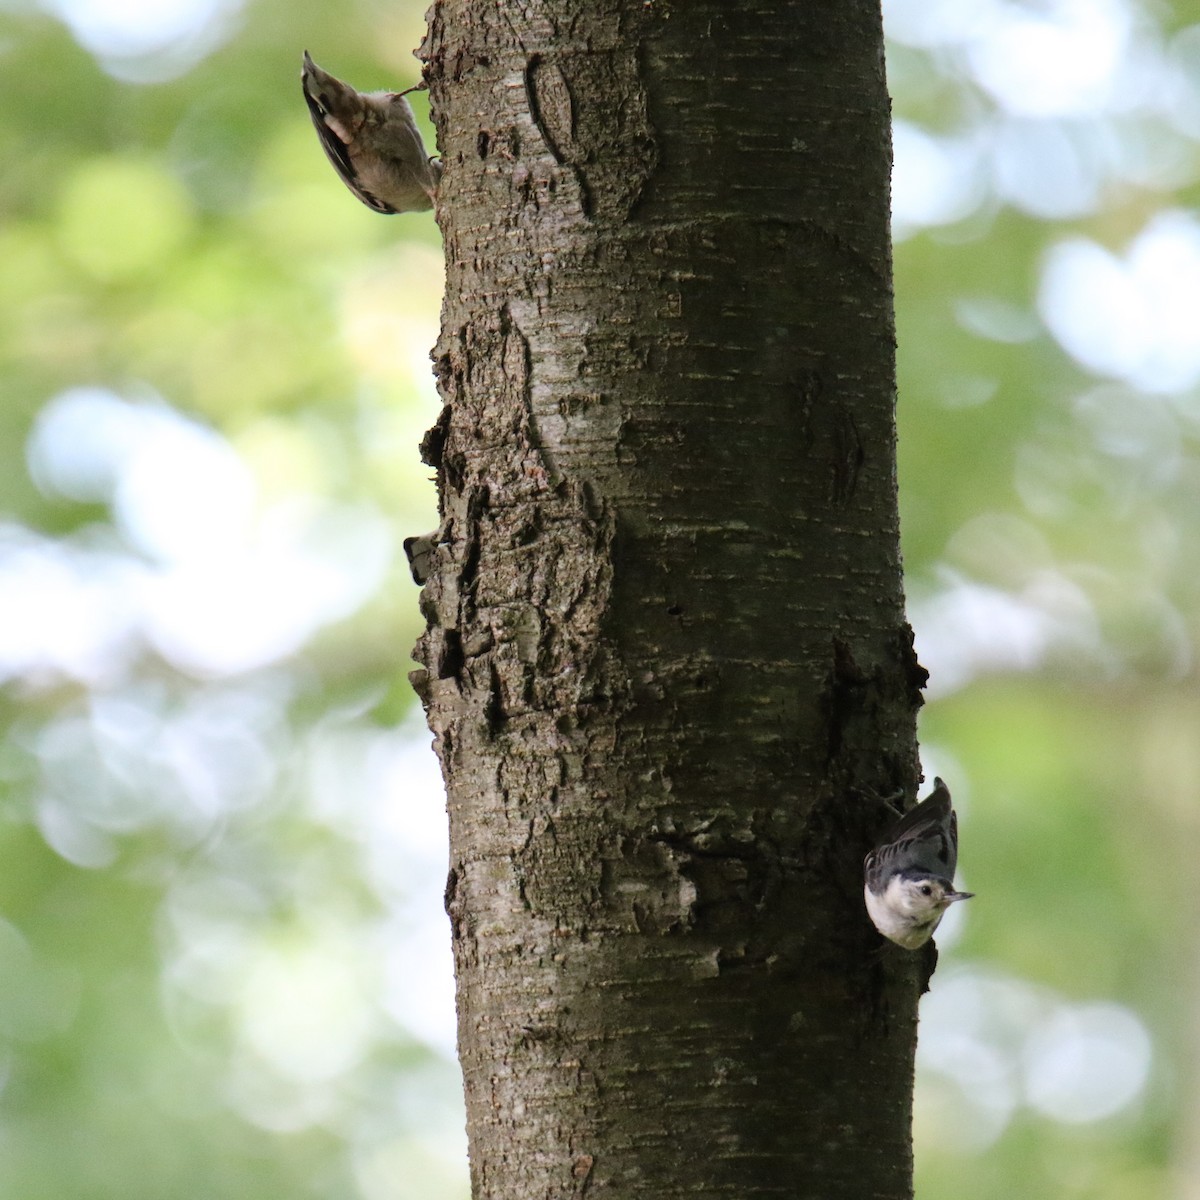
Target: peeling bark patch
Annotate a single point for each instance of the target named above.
(441, 56)
(609, 149)
(522, 577)
(419, 551)
(581, 1172)
(459, 911)
(848, 457)
(489, 367)
(493, 710)
(450, 661)
(915, 674)
(805, 387)
(928, 964)
(577, 403)
(434, 441)
(419, 681)
(842, 697)
(645, 887)
(551, 107)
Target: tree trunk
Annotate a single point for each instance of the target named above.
(667, 664)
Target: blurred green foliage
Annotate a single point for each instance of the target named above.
(1050, 507)
(220, 942)
(214, 899)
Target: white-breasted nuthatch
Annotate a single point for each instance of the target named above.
(373, 142)
(910, 874)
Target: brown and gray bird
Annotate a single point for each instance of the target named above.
(373, 142)
(909, 876)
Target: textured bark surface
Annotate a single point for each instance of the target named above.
(667, 661)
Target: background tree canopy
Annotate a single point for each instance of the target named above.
(223, 964)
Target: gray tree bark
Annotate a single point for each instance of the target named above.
(667, 663)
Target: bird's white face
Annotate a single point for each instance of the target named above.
(909, 910)
(919, 898)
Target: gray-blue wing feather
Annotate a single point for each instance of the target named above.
(924, 839)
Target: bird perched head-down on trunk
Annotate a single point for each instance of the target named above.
(373, 142)
(909, 876)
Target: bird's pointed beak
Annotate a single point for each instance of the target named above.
(950, 897)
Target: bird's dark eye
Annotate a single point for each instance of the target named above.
(926, 890)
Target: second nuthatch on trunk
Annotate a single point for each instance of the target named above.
(373, 142)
